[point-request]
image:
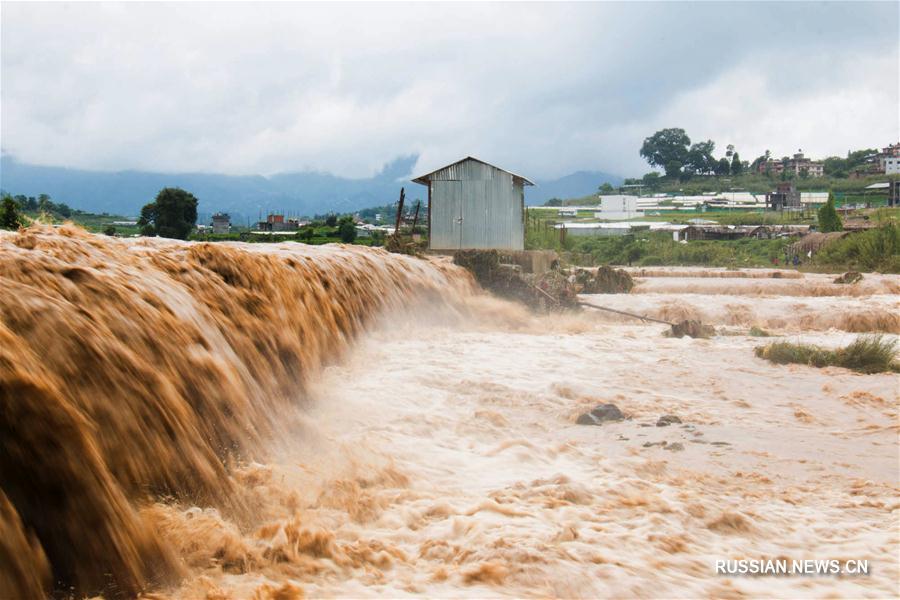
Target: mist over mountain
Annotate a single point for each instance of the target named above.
(247, 196)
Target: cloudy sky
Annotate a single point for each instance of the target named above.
(541, 89)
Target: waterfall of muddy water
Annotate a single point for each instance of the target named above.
(133, 371)
(439, 456)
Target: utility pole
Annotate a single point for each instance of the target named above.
(399, 211)
(416, 216)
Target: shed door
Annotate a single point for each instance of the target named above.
(476, 214)
(446, 216)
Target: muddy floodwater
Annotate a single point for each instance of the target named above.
(428, 445)
(444, 461)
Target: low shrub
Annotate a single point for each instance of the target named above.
(867, 354)
(877, 249)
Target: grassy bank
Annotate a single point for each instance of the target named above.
(876, 249)
(658, 249)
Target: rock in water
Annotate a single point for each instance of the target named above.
(587, 419)
(545, 292)
(605, 281)
(608, 412)
(666, 420)
(849, 277)
(601, 413)
(691, 328)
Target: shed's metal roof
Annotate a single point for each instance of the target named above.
(424, 179)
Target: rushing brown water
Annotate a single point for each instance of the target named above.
(132, 371)
(193, 420)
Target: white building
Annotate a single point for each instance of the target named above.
(617, 207)
(619, 228)
(892, 165)
(221, 223)
(813, 197)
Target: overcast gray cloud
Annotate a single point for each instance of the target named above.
(544, 89)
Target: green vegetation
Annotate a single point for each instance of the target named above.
(692, 169)
(347, 229)
(658, 249)
(29, 208)
(737, 167)
(876, 249)
(42, 204)
(387, 212)
(9, 214)
(868, 354)
(102, 222)
(646, 248)
(828, 217)
(667, 148)
(172, 215)
(342, 228)
(671, 150)
(841, 167)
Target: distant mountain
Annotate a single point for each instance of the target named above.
(125, 192)
(576, 185)
(246, 197)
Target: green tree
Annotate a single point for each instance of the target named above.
(723, 167)
(109, 230)
(172, 215)
(9, 213)
(632, 252)
(347, 229)
(606, 188)
(829, 220)
(700, 159)
(667, 148)
(44, 204)
(306, 234)
(673, 168)
(650, 179)
(147, 220)
(331, 220)
(737, 167)
(835, 166)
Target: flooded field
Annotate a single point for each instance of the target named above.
(444, 461)
(436, 452)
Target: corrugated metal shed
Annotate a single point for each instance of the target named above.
(474, 204)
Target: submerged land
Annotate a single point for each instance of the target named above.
(343, 421)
